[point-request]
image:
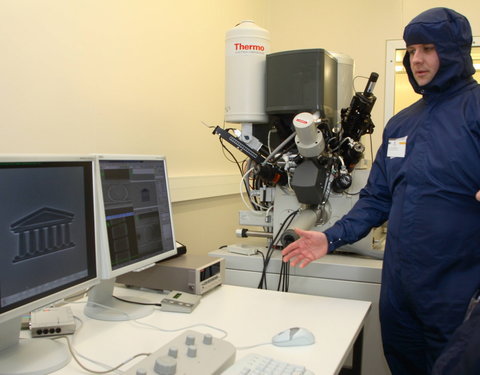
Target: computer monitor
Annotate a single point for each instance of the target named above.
(135, 227)
(47, 250)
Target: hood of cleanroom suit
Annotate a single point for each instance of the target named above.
(451, 34)
(432, 254)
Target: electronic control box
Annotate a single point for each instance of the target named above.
(196, 274)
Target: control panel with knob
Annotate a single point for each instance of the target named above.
(189, 353)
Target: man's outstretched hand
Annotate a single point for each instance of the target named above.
(310, 246)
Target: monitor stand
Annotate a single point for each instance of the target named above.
(102, 305)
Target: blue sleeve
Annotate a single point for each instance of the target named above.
(370, 211)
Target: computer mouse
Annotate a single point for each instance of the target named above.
(295, 336)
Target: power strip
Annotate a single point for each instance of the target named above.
(52, 321)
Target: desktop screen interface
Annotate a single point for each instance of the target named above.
(46, 229)
(137, 209)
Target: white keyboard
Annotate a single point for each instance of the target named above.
(256, 364)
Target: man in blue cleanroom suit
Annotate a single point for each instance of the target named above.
(424, 181)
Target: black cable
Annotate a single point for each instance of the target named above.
(283, 280)
(138, 303)
(280, 276)
(262, 254)
(287, 277)
(286, 223)
(236, 162)
(266, 258)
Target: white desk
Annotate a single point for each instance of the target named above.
(250, 316)
(339, 276)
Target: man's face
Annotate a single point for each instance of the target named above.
(424, 62)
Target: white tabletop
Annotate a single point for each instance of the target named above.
(250, 316)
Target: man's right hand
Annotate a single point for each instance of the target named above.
(310, 246)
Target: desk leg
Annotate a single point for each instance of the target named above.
(357, 357)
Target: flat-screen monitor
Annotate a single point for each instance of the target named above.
(47, 250)
(135, 227)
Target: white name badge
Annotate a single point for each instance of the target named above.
(396, 147)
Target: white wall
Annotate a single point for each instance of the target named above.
(117, 76)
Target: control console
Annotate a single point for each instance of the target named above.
(189, 353)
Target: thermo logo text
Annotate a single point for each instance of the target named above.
(248, 47)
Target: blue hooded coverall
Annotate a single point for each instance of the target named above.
(431, 265)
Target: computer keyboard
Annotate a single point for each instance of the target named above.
(256, 364)
(189, 353)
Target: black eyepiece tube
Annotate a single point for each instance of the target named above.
(371, 84)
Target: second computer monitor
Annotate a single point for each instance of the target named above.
(135, 227)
